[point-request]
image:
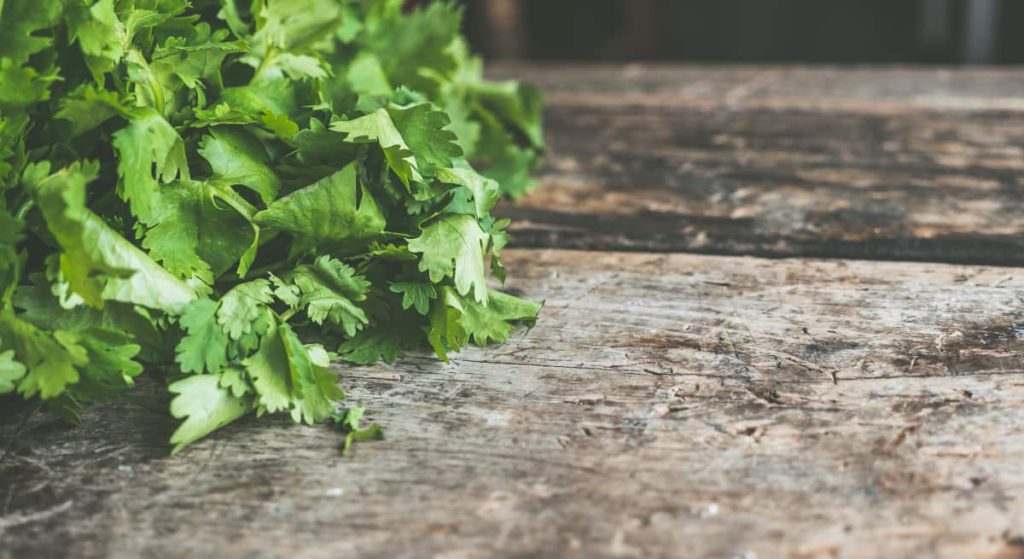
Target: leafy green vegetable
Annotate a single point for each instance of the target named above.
(200, 184)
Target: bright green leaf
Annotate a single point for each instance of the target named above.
(151, 152)
(205, 406)
(238, 158)
(98, 263)
(204, 346)
(454, 246)
(11, 371)
(415, 294)
(334, 212)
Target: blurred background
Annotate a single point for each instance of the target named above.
(811, 31)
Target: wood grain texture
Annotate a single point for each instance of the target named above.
(664, 406)
(862, 89)
(874, 164)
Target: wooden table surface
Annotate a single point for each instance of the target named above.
(783, 320)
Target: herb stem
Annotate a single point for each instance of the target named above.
(269, 268)
(148, 80)
(265, 63)
(237, 203)
(25, 207)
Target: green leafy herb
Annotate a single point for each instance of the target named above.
(348, 421)
(197, 186)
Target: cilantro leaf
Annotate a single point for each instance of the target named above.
(20, 24)
(455, 320)
(87, 107)
(204, 347)
(348, 421)
(299, 66)
(270, 371)
(495, 320)
(484, 191)
(288, 25)
(414, 138)
(196, 60)
(378, 127)
(98, 263)
(333, 212)
(328, 291)
(205, 406)
(446, 332)
(238, 158)
(454, 246)
(415, 294)
(235, 379)
(384, 341)
(112, 365)
(151, 152)
(197, 238)
(286, 378)
(53, 358)
(423, 129)
(11, 371)
(100, 34)
(313, 387)
(419, 40)
(11, 260)
(22, 86)
(242, 307)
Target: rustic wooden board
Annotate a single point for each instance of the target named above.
(878, 164)
(664, 406)
(869, 89)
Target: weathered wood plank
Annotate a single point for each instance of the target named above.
(859, 89)
(876, 164)
(665, 406)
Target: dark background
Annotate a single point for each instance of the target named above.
(812, 31)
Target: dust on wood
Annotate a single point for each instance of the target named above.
(664, 406)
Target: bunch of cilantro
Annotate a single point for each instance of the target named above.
(210, 183)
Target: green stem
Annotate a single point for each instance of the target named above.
(158, 93)
(149, 80)
(237, 203)
(265, 63)
(260, 272)
(23, 210)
